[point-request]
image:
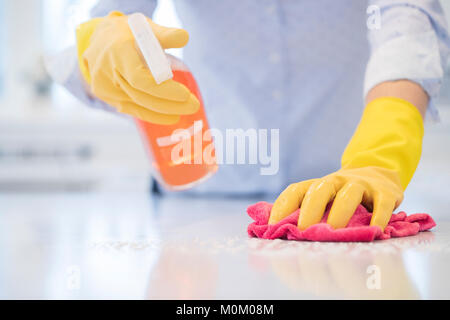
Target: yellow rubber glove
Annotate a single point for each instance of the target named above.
(112, 65)
(377, 166)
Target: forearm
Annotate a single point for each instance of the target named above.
(403, 89)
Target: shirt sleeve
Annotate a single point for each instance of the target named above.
(410, 41)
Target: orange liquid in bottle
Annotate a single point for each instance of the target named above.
(173, 173)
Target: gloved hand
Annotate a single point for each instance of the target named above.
(377, 166)
(111, 64)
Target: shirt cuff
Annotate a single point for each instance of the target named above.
(413, 57)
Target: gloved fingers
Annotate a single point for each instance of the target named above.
(288, 201)
(383, 206)
(313, 205)
(103, 88)
(115, 13)
(190, 106)
(345, 203)
(169, 37)
(145, 114)
(142, 79)
(131, 66)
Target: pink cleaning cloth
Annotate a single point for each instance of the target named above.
(358, 228)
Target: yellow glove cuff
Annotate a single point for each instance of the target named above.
(389, 135)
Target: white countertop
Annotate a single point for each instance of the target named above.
(75, 245)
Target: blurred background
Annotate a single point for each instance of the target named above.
(48, 139)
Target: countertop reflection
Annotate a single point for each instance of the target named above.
(135, 246)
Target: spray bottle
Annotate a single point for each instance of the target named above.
(182, 154)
